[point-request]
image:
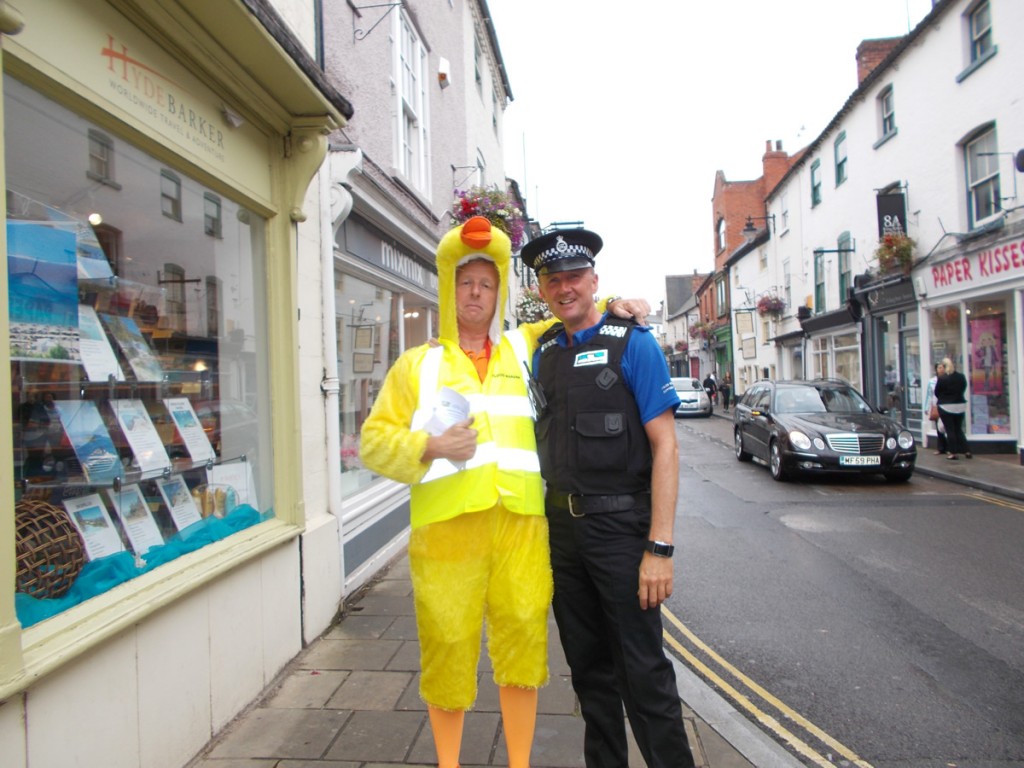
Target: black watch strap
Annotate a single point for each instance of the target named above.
(659, 548)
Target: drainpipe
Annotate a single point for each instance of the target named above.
(335, 205)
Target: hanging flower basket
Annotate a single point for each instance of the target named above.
(493, 204)
(530, 307)
(700, 331)
(682, 346)
(770, 304)
(895, 253)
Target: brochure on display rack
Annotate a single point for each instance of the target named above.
(179, 501)
(97, 355)
(89, 438)
(133, 344)
(92, 521)
(142, 436)
(136, 518)
(190, 428)
(238, 478)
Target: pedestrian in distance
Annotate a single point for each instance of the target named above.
(725, 390)
(951, 396)
(608, 454)
(933, 410)
(711, 387)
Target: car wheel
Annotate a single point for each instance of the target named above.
(741, 455)
(775, 461)
(899, 475)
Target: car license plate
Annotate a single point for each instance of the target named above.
(860, 461)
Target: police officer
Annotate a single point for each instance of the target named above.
(608, 453)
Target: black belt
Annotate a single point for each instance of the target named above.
(580, 504)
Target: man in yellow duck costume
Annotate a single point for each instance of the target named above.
(479, 542)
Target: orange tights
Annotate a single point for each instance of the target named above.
(518, 716)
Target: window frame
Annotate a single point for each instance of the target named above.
(887, 112)
(170, 204)
(819, 281)
(411, 107)
(815, 183)
(844, 244)
(989, 181)
(721, 233)
(101, 164)
(980, 39)
(841, 157)
(213, 225)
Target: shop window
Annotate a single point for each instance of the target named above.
(983, 178)
(367, 324)
(212, 222)
(988, 391)
(138, 432)
(170, 195)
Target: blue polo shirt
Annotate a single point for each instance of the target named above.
(643, 368)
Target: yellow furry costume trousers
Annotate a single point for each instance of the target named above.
(491, 564)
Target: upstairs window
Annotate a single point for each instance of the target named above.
(839, 149)
(845, 247)
(979, 42)
(411, 135)
(815, 183)
(784, 208)
(478, 70)
(721, 234)
(819, 281)
(101, 159)
(212, 221)
(982, 178)
(887, 111)
(170, 195)
(981, 32)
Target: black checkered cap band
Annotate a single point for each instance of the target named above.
(561, 251)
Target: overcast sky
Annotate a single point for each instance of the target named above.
(623, 112)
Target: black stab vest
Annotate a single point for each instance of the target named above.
(590, 438)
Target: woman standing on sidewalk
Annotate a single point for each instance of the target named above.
(933, 409)
(951, 394)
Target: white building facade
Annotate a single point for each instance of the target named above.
(926, 146)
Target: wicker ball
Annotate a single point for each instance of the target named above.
(49, 549)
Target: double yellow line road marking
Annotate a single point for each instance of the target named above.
(756, 701)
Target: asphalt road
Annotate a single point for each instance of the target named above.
(860, 622)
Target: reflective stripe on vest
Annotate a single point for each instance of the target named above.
(496, 406)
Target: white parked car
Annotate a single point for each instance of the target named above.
(694, 401)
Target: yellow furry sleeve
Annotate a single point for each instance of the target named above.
(387, 445)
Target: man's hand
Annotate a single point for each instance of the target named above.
(457, 443)
(655, 580)
(638, 309)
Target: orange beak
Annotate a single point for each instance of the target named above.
(476, 233)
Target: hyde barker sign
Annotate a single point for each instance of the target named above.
(145, 88)
(1003, 261)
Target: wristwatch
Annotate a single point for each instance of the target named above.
(659, 548)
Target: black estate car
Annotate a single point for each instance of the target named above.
(808, 427)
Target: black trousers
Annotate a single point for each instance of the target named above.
(956, 440)
(614, 648)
